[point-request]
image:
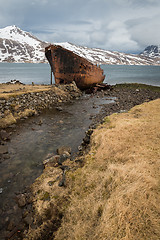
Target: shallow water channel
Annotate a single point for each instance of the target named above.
(34, 138)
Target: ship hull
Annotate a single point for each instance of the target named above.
(68, 67)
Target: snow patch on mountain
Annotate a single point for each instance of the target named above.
(152, 51)
(99, 56)
(20, 46)
(17, 45)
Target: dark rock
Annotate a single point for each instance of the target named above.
(63, 158)
(64, 168)
(64, 150)
(86, 140)
(62, 181)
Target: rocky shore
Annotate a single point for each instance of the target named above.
(46, 202)
(17, 105)
(127, 96)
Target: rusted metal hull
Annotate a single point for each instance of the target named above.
(67, 67)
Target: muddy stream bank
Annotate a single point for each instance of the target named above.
(32, 139)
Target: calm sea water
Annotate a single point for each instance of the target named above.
(25, 72)
(132, 74)
(40, 73)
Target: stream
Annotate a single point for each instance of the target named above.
(34, 138)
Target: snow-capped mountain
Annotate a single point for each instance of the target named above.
(17, 45)
(152, 51)
(99, 56)
(20, 46)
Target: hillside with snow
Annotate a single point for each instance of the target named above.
(17, 45)
(99, 56)
(20, 46)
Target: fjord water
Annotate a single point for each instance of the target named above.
(40, 73)
(132, 74)
(25, 72)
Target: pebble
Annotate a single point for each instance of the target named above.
(21, 200)
(59, 109)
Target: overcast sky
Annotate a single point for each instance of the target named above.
(123, 25)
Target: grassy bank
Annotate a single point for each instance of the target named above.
(115, 195)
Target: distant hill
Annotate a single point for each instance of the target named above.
(17, 45)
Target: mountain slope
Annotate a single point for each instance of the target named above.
(19, 46)
(99, 56)
(152, 51)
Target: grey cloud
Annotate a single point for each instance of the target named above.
(124, 25)
(80, 22)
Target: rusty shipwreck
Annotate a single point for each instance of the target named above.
(68, 66)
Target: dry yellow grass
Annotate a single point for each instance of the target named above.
(9, 90)
(116, 195)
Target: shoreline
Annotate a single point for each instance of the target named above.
(127, 97)
(19, 101)
(53, 205)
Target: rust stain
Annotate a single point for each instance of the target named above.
(67, 67)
